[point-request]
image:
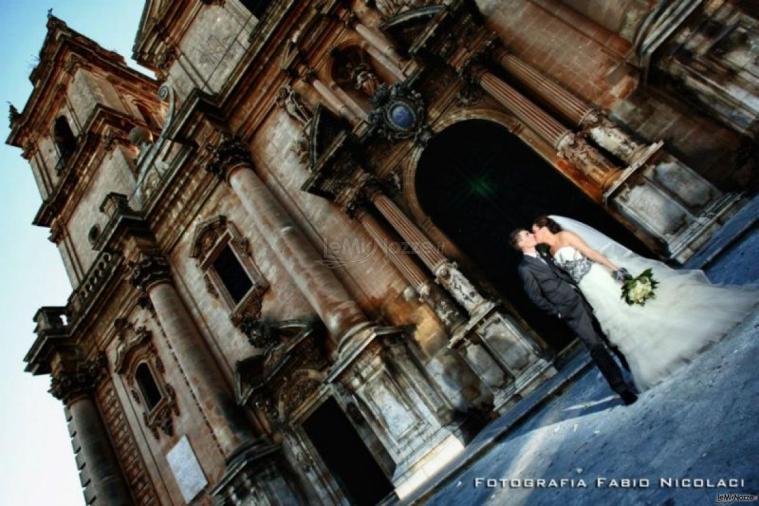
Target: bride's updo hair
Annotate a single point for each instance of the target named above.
(545, 221)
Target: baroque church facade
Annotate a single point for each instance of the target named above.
(288, 249)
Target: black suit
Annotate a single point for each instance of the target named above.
(555, 292)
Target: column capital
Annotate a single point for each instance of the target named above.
(227, 155)
(358, 194)
(149, 269)
(78, 379)
(588, 160)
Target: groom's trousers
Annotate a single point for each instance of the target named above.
(584, 324)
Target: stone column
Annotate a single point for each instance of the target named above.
(99, 469)
(571, 146)
(598, 127)
(326, 294)
(429, 292)
(381, 49)
(231, 428)
(334, 101)
(446, 272)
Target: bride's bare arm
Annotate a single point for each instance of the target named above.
(575, 240)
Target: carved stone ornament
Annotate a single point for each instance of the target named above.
(393, 7)
(149, 269)
(289, 369)
(450, 276)
(261, 333)
(131, 339)
(290, 101)
(81, 379)
(470, 94)
(162, 416)
(210, 235)
(351, 67)
(13, 114)
(136, 347)
(399, 113)
(229, 153)
(206, 235)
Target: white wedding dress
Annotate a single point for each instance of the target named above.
(687, 313)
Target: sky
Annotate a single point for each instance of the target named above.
(36, 461)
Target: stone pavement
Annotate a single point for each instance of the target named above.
(700, 423)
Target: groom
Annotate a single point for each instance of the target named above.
(554, 291)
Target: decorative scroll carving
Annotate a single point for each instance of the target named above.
(150, 167)
(130, 340)
(261, 333)
(151, 268)
(81, 379)
(208, 238)
(206, 235)
(588, 160)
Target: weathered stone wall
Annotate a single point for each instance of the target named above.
(211, 48)
(48, 157)
(114, 175)
(212, 314)
(190, 420)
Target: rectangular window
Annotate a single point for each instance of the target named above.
(232, 274)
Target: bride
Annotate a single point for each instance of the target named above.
(687, 313)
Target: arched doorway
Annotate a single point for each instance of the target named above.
(477, 182)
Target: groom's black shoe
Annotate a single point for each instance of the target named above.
(628, 397)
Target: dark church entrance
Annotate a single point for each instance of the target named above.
(477, 181)
(346, 455)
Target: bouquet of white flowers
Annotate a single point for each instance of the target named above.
(637, 290)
